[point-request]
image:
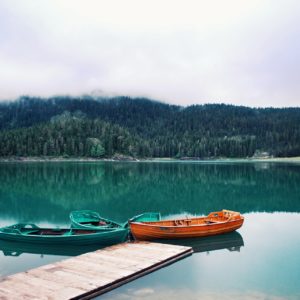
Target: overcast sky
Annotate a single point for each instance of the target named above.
(182, 52)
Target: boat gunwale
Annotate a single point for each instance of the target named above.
(61, 236)
(184, 226)
(75, 222)
(229, 214)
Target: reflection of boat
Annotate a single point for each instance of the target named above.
(88, 219)
(11, 248)
(31, 233)
(232, 241)
(149, 226)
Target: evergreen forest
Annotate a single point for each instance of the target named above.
(142, 128)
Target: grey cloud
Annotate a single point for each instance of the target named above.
(249, 58)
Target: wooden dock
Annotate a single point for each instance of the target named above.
(91, 274)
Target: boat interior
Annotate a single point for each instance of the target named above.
(94, 223)
(36, 231)
(55, 232)
(213, 218)
(101, 223)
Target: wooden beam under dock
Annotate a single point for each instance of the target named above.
(91, 274)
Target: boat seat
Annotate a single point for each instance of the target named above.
(211, 222)
(68, 233)
(178, 222)
(30, 231)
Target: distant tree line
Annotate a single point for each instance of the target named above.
(67, 135)
(143, 128)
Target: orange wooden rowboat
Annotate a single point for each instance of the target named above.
(148, 226)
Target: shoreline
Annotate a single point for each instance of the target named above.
(160, 159)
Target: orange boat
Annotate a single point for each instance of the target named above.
(149, 226)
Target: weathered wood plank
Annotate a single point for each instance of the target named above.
(21, 290)
(62, 276)
(143, 272)
(109, 257)
(91, 274)
(40, 287)
(126, 263)
(108, 263)
(85, 265)
(140, 253)
(13, 294)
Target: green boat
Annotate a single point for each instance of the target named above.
(87, 219)
(147, 217)
(31, 233)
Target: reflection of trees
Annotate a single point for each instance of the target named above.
(49, 191)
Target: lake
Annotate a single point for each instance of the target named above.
(259, 261)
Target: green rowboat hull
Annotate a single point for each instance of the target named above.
(36, 235)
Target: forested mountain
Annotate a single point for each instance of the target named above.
(140, 127)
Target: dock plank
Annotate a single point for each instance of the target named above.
(110, 264)
(91, 274)
(61, 275)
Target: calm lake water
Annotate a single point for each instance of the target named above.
(259, 261)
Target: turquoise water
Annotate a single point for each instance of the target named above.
(260, 261)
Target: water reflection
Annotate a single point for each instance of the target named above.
(47, 192)
(267, 267)
(231, 241)
(16, 249)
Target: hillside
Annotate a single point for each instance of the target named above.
(102, 127)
